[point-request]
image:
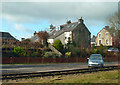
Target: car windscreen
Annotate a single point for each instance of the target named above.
(111, 48)
(115, 49)
(95, 57)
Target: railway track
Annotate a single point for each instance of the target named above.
(53, 73)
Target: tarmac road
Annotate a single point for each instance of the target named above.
(45, 67)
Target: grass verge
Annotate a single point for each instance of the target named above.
(97, 77)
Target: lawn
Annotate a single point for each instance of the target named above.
(96, 77)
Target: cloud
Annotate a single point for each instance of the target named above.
(59, 0)
(33, 12)
(29, 16)
(20, 27)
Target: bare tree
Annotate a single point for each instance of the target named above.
(114, 21)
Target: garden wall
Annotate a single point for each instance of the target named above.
(37, 60)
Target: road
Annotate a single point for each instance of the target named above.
(45, 67)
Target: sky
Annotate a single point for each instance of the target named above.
(22, 18)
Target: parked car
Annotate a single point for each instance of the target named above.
(95, 60)
(113, 49)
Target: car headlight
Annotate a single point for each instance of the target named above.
(90, 61)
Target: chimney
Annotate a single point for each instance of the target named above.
(61, 27)
(93, 36)
(22, 39)
(51, 26)
(68, 22)
(80, 20)
(107, 27)
(35, 33)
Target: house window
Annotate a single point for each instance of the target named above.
(106, 33)
(65, 37)
(68, 38)
(99, 42)
(99, 35)
(107, 42)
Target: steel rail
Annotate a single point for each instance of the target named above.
(60, 72)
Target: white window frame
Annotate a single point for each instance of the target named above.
(99, 35)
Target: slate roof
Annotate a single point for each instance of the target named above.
(113, 33)
(6, 35)
(34, 38)
(65, 28)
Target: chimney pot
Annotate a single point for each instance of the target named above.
(69, 21)
(106, 26)
(35, 33)
(80, 20)
(22, 39)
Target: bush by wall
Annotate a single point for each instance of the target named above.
(51, 55)
(58, 45)
(19, 51)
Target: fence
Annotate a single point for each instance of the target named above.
(37, 60)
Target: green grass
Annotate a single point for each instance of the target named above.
(97, 77)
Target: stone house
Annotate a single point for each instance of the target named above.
(75, 32)
(106, 37)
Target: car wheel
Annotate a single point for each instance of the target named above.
(89, 67)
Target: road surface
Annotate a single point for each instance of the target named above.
(45, 67)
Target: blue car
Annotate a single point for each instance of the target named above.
(95, 60)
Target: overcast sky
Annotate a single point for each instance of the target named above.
(21, 19)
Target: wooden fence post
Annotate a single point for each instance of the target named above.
(11, 60)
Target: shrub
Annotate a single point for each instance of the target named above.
(68, 54)
(58, 45)
(75, 52)
(36, 53)
(19, 51)
(51, 55)
(95, 51)
(93, 46)
(88, 52)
